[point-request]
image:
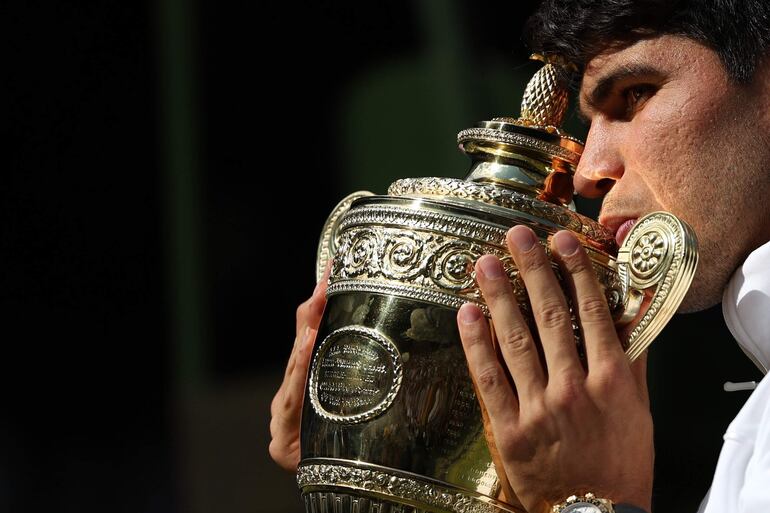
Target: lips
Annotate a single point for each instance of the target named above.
(623, 230)
(619, 226)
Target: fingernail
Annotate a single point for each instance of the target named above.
(566, 243)
(469, 313)
(522, 237)
(491, 267)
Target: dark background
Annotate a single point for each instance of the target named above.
(168, 168)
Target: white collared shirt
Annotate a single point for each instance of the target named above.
(742, 478)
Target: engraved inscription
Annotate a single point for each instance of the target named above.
(355, 376)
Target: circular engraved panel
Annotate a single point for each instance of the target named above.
(355, 375)
(652, 243)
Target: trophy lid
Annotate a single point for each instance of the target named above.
(531, 153)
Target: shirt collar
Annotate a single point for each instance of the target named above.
(746, 306)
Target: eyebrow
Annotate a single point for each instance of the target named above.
(606, 85)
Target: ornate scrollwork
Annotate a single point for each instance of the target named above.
(361, 253)
(428, 256)
(327, 246)
(402, 257)
(451, 265)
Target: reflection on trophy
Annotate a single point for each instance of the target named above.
(391, 422)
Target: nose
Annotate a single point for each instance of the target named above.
(601, 164)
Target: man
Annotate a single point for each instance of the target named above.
(678, 99)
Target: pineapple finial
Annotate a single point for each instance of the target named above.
(545, 99)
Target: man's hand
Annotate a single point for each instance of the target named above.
(286, 408)
(565, 429)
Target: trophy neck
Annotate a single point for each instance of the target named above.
(535, 161)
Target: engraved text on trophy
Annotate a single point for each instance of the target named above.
(355, 375)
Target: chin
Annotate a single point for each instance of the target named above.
(696, 304)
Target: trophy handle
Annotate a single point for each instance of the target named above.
(327, 244)
(659, 256)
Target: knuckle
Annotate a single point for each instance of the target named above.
(567, 393)
(286, 455)
(593, 308)
(552, 313)
(610, 378)
(288, 402)
(316, 305)
(536, 419)
(516, 339)
(302, 311)
(604, 386)
(276, 452)
(511, 440)
(490, 379)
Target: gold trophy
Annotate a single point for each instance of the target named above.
(391, 423)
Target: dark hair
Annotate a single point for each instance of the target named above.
(578, 30)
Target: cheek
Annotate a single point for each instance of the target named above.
(670, 142)
(656, 155)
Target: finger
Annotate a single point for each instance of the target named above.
(303, 315)
(310, 312)
(293, 356)
(319, 298)
(600, 337)
(323, 283)
(552, 316)
(291, 405)
(516, 342)
(485, 368)
(278, 398)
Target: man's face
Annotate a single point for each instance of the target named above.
(669, 131)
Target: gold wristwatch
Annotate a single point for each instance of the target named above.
(589, 503)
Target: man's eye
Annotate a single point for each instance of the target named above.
(635, 97)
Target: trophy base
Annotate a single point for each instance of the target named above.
(341, 502)
(337, 486)
(346, 502)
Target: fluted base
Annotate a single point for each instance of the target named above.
(341, 502)
(337, 486)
